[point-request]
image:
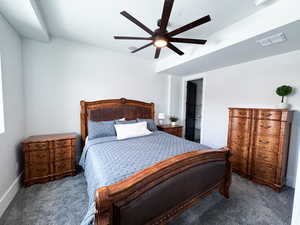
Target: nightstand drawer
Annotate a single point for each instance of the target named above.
(38, 145)
(173, 130)
(37, 157)
(62, 153)
(37, 171)
(62, 166)
(63, 143)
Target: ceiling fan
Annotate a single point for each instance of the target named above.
(161, 38)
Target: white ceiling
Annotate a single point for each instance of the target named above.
(25, 16)
(97, 21)
(235, 54)
(237, 43)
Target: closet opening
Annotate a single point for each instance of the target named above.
(193, 114)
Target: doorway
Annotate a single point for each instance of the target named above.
(193, 113)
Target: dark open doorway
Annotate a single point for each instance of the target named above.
(194, 94)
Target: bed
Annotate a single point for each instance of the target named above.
(149, 179)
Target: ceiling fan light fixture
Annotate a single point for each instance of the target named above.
(161, 37)
(160, 43)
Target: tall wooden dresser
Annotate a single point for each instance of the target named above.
(259, 141)
(48, 157)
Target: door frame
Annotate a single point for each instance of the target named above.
(183, 101)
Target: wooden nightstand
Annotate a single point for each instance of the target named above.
(174, 130)
(48, 157)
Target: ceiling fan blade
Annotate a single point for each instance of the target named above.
(168, 5)
(145, 46)
(189, 26)
(135, 21)
(175, 49)
(157, 53)
(188, 40)
(132, 38)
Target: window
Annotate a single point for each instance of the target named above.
(1, 102)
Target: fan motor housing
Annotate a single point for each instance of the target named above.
(161, 38)
(158, 33)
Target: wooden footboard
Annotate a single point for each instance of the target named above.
(161, 192)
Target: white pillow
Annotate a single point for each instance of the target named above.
(132, 130)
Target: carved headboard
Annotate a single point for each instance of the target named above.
(113, 109)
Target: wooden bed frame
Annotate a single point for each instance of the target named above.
(159, 193)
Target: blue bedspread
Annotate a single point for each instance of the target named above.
(107, 160)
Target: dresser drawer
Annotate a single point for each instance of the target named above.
(37, 156)
(241, 113)
(266, 157)
(268, 114)
(239, 138)
(62, 166)
(237, 158)
(268, 127)
(264, 172)
(239, 150)
(37, 171)
(240, 124)
(38, 146)
(239, 135)
(63, 143)
(62, 153)
(265, 143)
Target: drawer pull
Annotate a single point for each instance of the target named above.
(264, 142)
(62, 143)
(265, 127)
(61, 153)
(267, 114)
(243, 113)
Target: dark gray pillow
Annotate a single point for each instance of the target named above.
(124, 121)
(101, 129)
(150, 124)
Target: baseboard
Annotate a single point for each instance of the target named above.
(9, 195)
(290, 181)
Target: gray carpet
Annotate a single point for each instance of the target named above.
(64, 202)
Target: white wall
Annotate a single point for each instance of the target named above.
(175, 98)
(250, 84)
(61, 73)
(1, 102)
(12, 80)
